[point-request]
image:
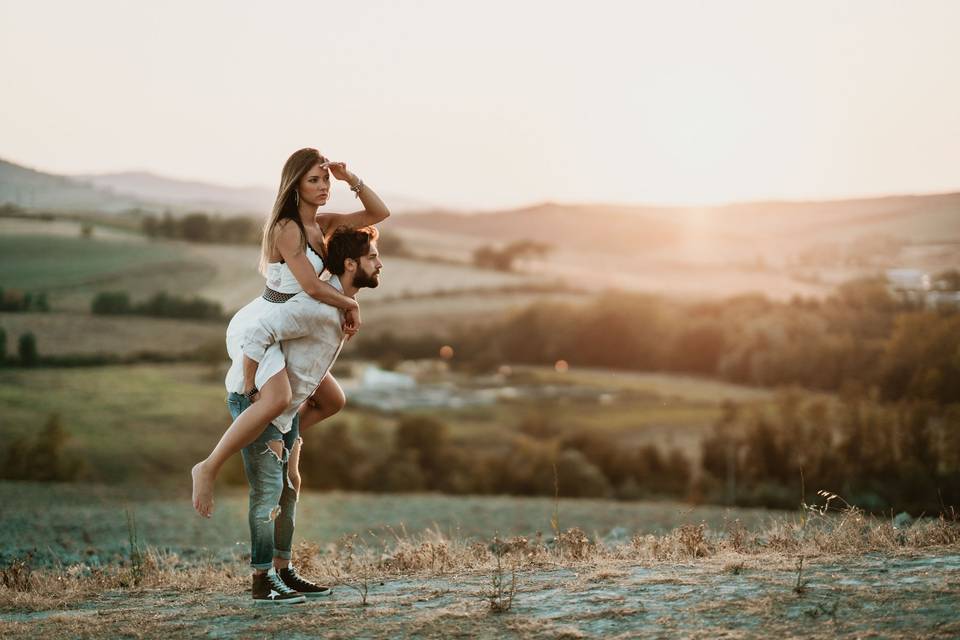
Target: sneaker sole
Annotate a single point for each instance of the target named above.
(298, 600)
(319, 594)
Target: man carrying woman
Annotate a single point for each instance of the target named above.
(265, 395)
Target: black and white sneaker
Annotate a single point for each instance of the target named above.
(296, 582)
(268, 588)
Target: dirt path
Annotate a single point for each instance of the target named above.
(882, 595)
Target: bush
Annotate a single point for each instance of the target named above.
(17, 300)
(579, 478)
(27, 350)
(164, 305)
(42, 458)
(331, 459)
(398, 472)
(111, 303)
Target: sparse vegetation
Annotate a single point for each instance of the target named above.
(502, 591)
(431, 579)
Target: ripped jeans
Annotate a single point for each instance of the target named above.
(273, 500)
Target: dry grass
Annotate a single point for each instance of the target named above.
(687, 582)
(359, 562)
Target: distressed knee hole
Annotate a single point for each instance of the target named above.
(276, 448)
(273, 514)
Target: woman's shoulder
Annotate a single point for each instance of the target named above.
(289, 232)
(288, 226)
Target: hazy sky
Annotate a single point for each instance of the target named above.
(486, 104)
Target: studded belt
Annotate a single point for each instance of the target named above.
(275, 296)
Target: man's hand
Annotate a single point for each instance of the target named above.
(351, 322)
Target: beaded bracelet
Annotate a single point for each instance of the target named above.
(356, 188)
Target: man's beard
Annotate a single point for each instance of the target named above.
(364, 280)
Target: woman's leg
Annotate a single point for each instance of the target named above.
(274, 399)
(327, 399)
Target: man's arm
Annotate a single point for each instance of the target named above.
(249, 373)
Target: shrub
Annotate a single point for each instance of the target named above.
(111, 303)
(331, 459)
(27, 350)
(579, 478)
(42, 458)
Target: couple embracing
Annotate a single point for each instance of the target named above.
(282, 346)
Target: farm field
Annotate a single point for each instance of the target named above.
(52, 257)
(129, 422)
(74, 333)
(71, 270)
(57, 262)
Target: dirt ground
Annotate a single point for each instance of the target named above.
(872, 596)
(77, 563)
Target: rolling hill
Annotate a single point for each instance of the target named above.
(624, 228)
(116, 192)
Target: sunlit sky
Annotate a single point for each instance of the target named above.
(491, 104)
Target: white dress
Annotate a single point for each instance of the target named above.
(282, 280)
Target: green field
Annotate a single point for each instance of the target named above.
(50, 262)
(148, 424)
(141, 423)
(71, 270)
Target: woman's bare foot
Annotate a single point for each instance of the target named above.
(202, 489)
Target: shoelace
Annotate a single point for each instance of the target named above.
(295, 577)
(277, 584)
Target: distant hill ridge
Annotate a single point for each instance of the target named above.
(921, 218)
(32, 189)
(117, 192)
(913, 218)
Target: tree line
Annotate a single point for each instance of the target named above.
(202, 227)
(19, 300)
(160, 305)
(422, 456)
(878, 456)
(859, 336)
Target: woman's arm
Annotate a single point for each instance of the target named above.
(374, 210)
(289, 243)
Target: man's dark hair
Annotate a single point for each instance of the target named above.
(348, 243)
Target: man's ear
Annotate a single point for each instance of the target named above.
(350, 264)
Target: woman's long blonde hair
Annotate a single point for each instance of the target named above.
(285, 207)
